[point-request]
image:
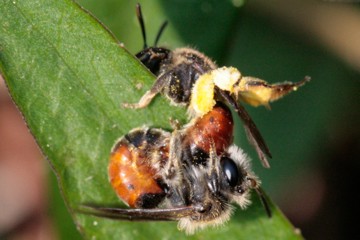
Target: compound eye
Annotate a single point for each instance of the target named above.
(231, 171)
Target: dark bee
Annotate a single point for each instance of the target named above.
(189, 78)
(162, 176)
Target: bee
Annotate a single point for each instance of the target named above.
(190, 176)
(189, 78)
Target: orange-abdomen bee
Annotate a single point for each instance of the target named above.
(189, 78)
(138, 157)
(162, 176)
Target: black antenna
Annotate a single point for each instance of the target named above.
(141, 21)
(160, 32)
(264, 202)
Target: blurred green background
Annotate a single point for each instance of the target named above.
(313, 134)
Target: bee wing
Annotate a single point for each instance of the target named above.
(251, 130)
(138, 214)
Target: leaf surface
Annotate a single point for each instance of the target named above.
(68, 76)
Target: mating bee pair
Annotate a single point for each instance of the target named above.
(190, 175)
(194, 173)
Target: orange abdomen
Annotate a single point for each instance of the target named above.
(214, 127)
(133, 178)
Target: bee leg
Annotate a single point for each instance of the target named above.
(171, 169)
(257, 92)
(213, 171)
(143, 102)
(150, 94)
(175, 124)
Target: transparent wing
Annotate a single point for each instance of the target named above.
(137, 214)
(251, 130)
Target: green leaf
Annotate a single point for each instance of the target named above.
(68, 75)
